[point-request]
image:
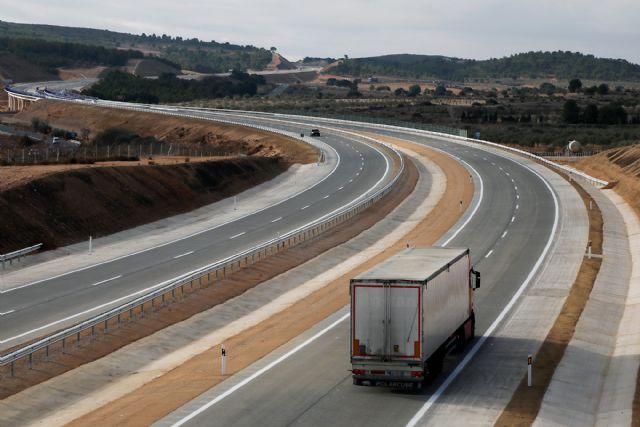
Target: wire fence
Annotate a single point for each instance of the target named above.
(70, 153)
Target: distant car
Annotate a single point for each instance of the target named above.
(315, 132)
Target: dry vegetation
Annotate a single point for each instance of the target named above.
(619, 165)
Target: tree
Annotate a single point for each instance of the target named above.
(273, 49)
(603, 89)
(414, 90)
(547, 88)
(575, 85)
(571, 112)
(612, 114)
(590, 114)
(440, 91)
(400, 92)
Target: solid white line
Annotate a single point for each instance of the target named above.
(504, 234)
(184, 254)
(475, 208)
(489, 253)
(237, 235)
(501, 316)
(106, 280)
(7, 312)
(277, 219)
(258, 373)
(304, 207)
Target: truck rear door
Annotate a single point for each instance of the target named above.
(386, 321)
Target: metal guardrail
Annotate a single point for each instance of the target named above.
(217, 269)
(18, 254)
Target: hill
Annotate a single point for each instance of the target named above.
(193, 54)
(562, 65)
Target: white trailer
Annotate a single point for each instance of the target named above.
(408, 312)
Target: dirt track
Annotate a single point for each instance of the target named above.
(170, 391)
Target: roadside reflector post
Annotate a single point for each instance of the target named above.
(529, 361)
(589, 249)
(90, 244)
(223, 359)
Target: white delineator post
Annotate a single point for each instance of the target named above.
(223, 359)
(90, 244)
(529, 361)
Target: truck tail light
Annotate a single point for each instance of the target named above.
(358, 371)
(417, 374)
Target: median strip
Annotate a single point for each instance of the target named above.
(198, 374)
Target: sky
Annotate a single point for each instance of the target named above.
(476, 29)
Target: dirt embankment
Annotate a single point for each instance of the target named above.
(64, 208)
(192, 133)
(621, 165)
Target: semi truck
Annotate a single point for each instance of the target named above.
(408, 313)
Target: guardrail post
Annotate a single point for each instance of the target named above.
(106, 326)
(30, 360)
(142, 310)
(13, 370)
(93, 331)
(46, 353)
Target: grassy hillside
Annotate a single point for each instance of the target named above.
(191, 54)
(562, 65)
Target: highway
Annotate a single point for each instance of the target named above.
(512, 225)
(34, 309)
(507, 234)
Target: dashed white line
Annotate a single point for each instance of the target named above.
(507, 173)
(237, 235)
(489, 253)
(277, 219)
(106, 280)
(516, 187)
(517, 207)
(304, 207)
(504, 234)
(6, 312)
(184, 254)
(351, 180)
(513, 218)
(517, 196)
(341, 188)
(326, 197)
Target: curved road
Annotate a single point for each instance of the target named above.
(40, 307)
(507, 234)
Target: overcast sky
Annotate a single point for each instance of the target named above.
(463, 28)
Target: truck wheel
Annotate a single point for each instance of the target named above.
(434, 364)
(461, 340)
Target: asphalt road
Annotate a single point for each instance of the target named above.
(506, 236)
(49, 305)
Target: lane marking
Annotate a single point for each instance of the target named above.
(507, 173)
(341, 188)
(258, 373)
(237, 235)
(489, 253)
(517, 207)
(304, 207)
(517, 196)
(516, 187)
(338, 161)
(504, 234)
(351, 180)
(184, 254)
(326, 197)
(336, 323)
(7, 312)
(106, 280)
(513, 218)
(276, 220)
(507, 308)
